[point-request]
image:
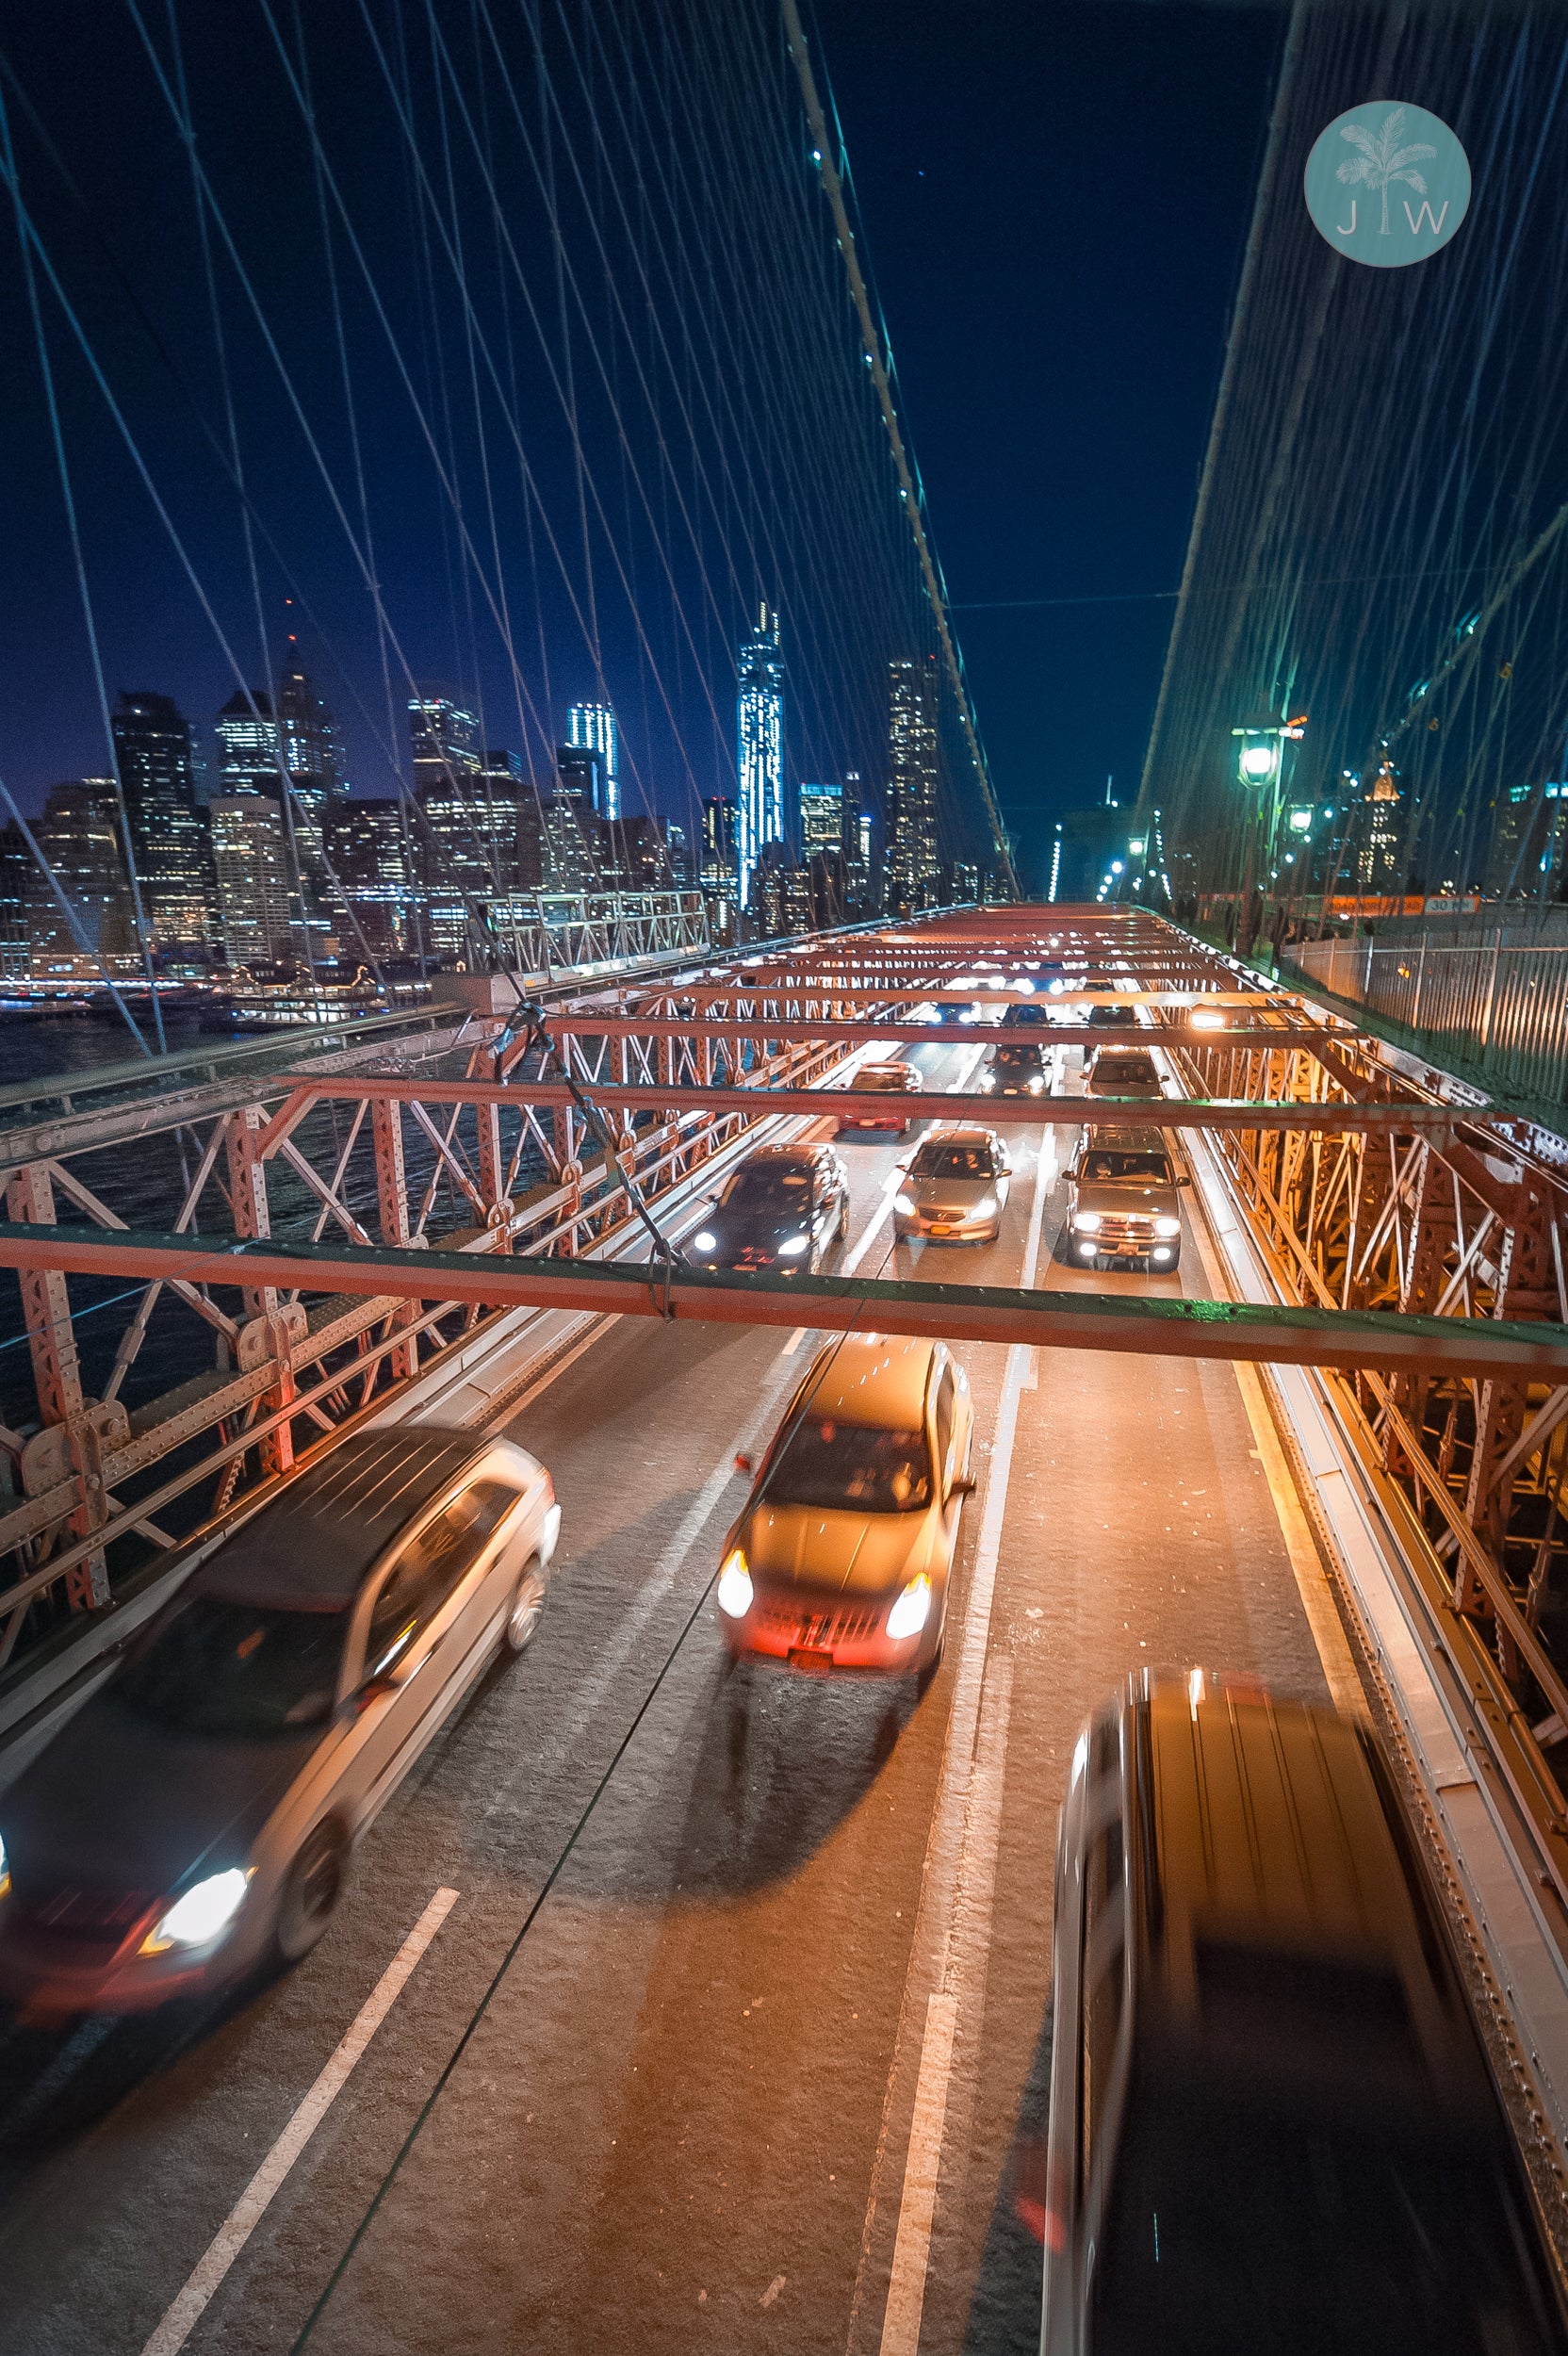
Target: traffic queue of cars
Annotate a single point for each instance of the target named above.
(1272, 2122)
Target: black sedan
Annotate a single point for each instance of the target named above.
(784, 1209)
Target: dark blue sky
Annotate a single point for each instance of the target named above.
(1057, 196)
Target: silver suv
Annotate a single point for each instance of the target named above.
(1123, 1201)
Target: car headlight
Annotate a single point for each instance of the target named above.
(984, 1208)
(1168, 1227)
(988, 1080)
(793, 1250)
(735, 1588)
(905, 1203)
(1036, 1085)
(704, 1242)
(201, 1915)
(1087, 1222)
(912, 1609)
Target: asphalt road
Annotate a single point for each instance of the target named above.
(737, 2031)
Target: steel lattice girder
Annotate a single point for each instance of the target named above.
(891, 1032)
(1068, 1112)
(1478, 1348)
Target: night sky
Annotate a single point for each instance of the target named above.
(1056, 197)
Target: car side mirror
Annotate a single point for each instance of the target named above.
(1183, 1182)
(963, 1485)
(742, 1461)
(373, 1689)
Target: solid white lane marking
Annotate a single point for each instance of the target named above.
(968, 1821)
(772, 2290)
(248, 2211)
(962, 1979)
(794, 1341)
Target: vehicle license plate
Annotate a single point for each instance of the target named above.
(806, 1656)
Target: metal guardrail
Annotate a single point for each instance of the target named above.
(1501, 1004)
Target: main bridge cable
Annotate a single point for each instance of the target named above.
(908, 486)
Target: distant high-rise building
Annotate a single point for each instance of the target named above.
(593, 727)
(641, 854)
(759, 748)
(250, 747)
(717, 872)
(444, 738)
(781, 893)
(580, 779)
(79, 836)
(16, 868)
(368, 844)
(250, 855)
(1530, 835)
(311, 749)
(168, 828)
(821, 819)
(911, 785)
(1379, 834)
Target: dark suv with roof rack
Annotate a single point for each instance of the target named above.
(196, 1816)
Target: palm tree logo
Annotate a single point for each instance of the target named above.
(1381, 160)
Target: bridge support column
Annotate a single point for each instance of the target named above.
(386, 1128)
(1526, 1289)
(272, 1328)
(77, 1432)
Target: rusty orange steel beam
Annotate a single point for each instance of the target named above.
(1133, 1324)
(1075, 1112)
(587, 1024)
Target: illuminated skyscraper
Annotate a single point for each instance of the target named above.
(169, 832)
(759, 748)
(592, 726)
(911, 786)
(821, 819)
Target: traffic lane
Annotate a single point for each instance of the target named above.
(191, 2101)
(736, 1922)
(1141, 1533)
(609, 1455)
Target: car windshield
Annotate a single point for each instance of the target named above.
(1125, 1067)
(855, 1466)
(1230, 2229)
(883, 1076)
(1018, 1058)
(769, 1187)
(237, 1672)
(1101, 1169)
(953, 1161)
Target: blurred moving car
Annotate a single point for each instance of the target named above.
(1122, 1072)
(840, 1558)
(1121, 1199)
(198, 1813)
(1017, 1068)
(1273, 2126)
(784, 1209)
(954, 1186)
(879, 1078)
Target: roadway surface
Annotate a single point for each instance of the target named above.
(793, 1970)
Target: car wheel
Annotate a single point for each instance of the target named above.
(311, 1893)
(527, 1602)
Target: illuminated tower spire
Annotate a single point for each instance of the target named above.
(760, 745)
